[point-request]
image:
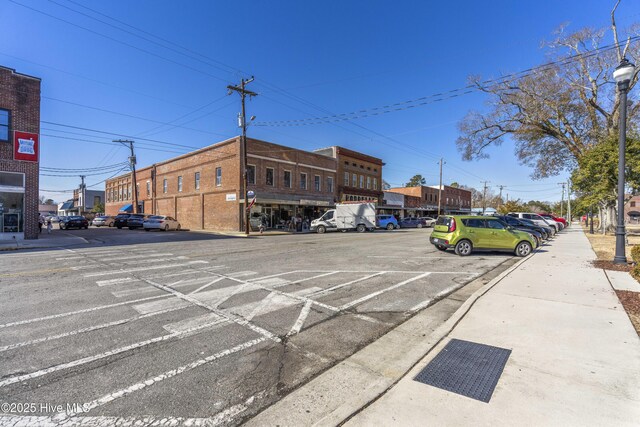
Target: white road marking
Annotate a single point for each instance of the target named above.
(115, 281)
(225, 415)
(155, 267)
(380, 292)
(273, 282)
(194, 322)
(85, 267)
(146, 255)
(342, 285)
(89, 359)
(148, 288)
(304, 313)
(86, 310)
(259, 307)
(242, 274)
(150, 260)
(436, 297)
(271, 275)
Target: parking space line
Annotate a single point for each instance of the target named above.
(115, 281)
(380, 292)
(436, 297)
(333, 288)
(163, 376)
(304, 313)
(89, 359)
(154, 267)
(255, 279)
(206, 285)
(148, 261)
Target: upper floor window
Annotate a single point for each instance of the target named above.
(361, 181)
(330, 184)
(633, 204)
(375, 183)
(368, 183)
(196, 179)
(316, 182)
(218, 177)
(179, 183)
(4, 124)
(269, 177)
(354, 180)
(148, 188)
(251, 174)
(164, 185)
(287, 179)
(303, 181)
(346, 179)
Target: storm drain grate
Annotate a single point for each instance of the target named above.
(466, 368)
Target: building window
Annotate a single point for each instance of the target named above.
(269, 177)
(633, 204)
(197, 180)
(354, 180)
(179, 184)
(287, 179)
(375, 183)
(251, 174)
(368, 183)
(330, 184)
(164, 185)
(218, 177)
(346, 179)
(361, 181)
(316, 182)
(303, 181)
(137, 190)
(148, 188)
(4, 125)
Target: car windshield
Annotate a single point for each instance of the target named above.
(156, 217)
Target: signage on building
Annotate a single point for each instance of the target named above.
(25, 146)
(314, 202)
(231, 197)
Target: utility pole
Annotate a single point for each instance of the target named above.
(562, 198)
(83, 194)
(500, 199)
(440, 186)
(132, 163)
(484, 197)
(568, 201)
(243, 146)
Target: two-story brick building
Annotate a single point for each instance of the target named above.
(359, 175)
(454, 200)
(202, 188)
(19, 154)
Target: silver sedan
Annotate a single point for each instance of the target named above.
(160, 222)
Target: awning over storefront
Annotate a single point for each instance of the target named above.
(127, 208)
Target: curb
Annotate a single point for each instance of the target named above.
(344, 390)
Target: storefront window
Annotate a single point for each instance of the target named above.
(11, 202)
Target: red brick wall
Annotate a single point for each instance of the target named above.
(21, 95)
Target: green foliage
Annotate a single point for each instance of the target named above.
(98, 208)
(635, 253)
(635, 272)
(538, 206)
(511, 206)
(454, 185)
(596, 177)
(416, 181)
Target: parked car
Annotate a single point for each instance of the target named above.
(52, 218)
(412, 222)
(136, 221)
(387, 221)
(160, 222)
(552, 220)
(258, 218)
(466, 234)
(68, 222)
(429, 221)
(537, 219)
(517, 225)
(103, 220)
(557, 218)
(121, 220)
(545, 232)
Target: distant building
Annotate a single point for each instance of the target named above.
(455, 201)
(47, 209)
(19, 154)
(487, 211)
(632, 210)
(86, 200)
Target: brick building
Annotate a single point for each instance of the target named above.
(19, 154)
(201, 189)
(454, 200)
(359, 175)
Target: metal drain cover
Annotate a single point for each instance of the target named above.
(466, 368)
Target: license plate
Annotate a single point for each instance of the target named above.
(436, 240)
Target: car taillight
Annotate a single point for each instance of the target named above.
(160, 222)
(452, 226)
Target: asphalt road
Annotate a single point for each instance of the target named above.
(183, 327)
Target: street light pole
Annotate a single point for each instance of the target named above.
(623, 75)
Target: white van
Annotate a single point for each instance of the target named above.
(356, 216)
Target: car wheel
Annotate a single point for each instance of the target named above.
(111, 225)
(119, 228)
(361, 228)
(441, 248)
(166, 227)
(178, 227)
(463, 248)
(321, 229)
(389, 226)
(523, 249)
(419, 226)
(146, 229)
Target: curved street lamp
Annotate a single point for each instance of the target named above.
(623, 74)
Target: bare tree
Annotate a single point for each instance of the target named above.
(557, 111)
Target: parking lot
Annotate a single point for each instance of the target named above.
(183, 327)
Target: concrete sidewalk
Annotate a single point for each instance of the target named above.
(57, 239)
(575, 357)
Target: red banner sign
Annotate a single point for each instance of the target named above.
(25, 146)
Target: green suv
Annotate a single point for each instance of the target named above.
(468, 233)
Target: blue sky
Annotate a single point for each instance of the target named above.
(309, 59)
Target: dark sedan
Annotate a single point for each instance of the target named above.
(410, 222)
(526, 225)
(68, 222)
(121, 220)
(136, 221)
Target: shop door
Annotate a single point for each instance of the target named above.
(269, 214)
